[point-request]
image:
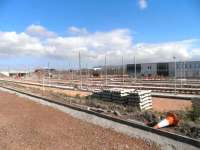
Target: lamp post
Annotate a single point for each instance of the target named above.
(181, 64)
(49, 73)
(174, 74)
(106, 69)
(80, 71)
(122, 69)
(135, 68)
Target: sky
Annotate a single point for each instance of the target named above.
(35, 32)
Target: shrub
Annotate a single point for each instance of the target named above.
(195, 112)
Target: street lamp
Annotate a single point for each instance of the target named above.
(80, 70)
(49, 73)
(122, 69)
(106, 69)
(135, 68)
(174, 74)
(181, 75)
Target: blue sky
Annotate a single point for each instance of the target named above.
(150, 23)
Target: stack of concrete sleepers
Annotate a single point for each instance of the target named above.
(136, 98)
(97, 93)
(106, 94)
(119, 95)
(140, 98)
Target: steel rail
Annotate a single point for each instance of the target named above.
(194, 92)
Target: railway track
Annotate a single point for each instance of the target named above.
(185, 87)
(91, 87)
(178, 140)
(131, 83)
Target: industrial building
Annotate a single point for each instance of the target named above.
(14, 73)
(187, 69)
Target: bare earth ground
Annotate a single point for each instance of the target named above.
(57, 90)
(28, 125)
(159, 104)
(168, 104)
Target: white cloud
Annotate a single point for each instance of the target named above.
(39, 31)
(77, 31)
(12, 43)
(93, 47)
(142, 4)
(195, 53)
(164, 51)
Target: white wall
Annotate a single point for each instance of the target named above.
(149, 69)
(6, 73)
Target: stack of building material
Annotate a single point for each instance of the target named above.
(141, 99)
(97, 93)
(106, 94)
(119, 95)
(137, 98)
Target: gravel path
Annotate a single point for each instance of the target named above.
(27, 125)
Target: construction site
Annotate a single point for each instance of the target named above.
(162, 106)
(99, 75)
